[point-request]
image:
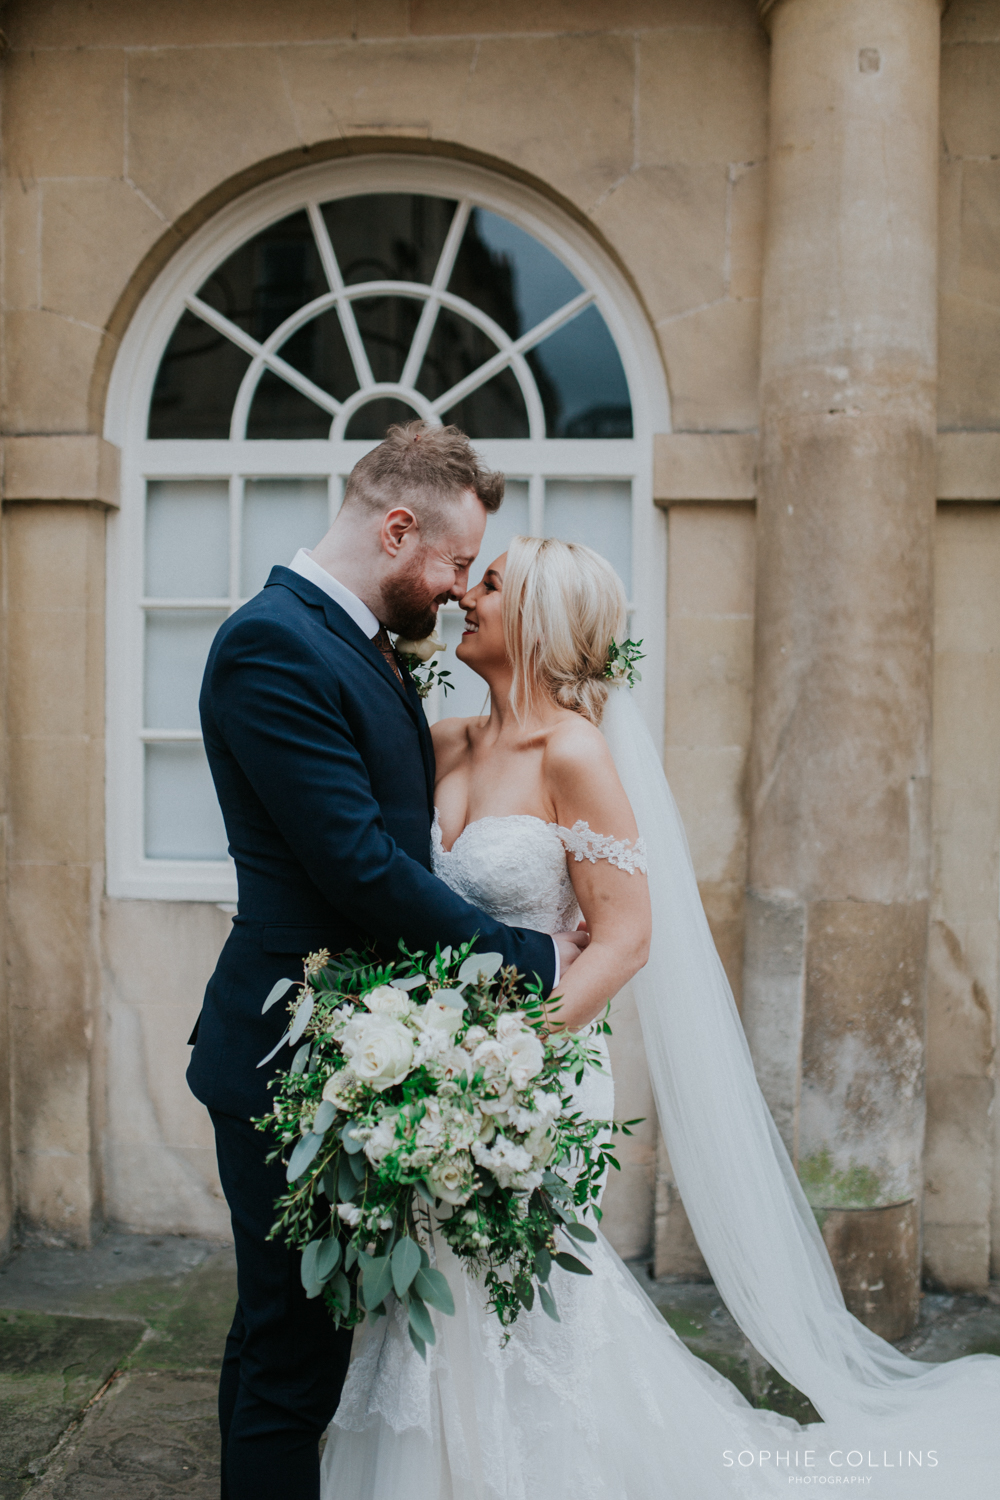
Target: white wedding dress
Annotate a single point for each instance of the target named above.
(609, 1403)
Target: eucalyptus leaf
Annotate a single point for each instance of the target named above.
(418, 1343)
(432, 1286)
(324, 1117)
(405, 1264)
(526, 1292)
(548, 1302)
(300, 1059)
(376, 1281)
(480, 966)
(543, 1264)
(412, 982)
(281, 988)
(328, 1184)
(341, 1289)
(451, 998)
(305, 1151)
(358, 1164)
(311, 1280)
(570, 1263)
(347, 1183)
(445, 956)
(424, 1191)
(581, 1232)
(303, 1013)
(274, 1050)
(350, 1256)
(350, 1140)
(327, 1257)
(420, 1319)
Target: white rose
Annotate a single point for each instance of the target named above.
(473, 1037)
(422, 650)
(338, 1087)
(437, 1017)
(540, 1146)
(509, 1025)
(380, 1050)
(387, 1001)
(490, 1057)
(430, 1126)
(450, 1179)
(349, 1213)
(382, 1140)
(527, 1057)
(451, 1062)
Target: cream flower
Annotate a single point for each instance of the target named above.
(382, 1139)
(451, 1179)
(349, 1213)
(388, 1001)
(527, 1057)
(490, 1056)
(339, 1087)
(380, 1050)
(422, 650)
(437, 1017)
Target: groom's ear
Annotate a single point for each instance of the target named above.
(398, 525)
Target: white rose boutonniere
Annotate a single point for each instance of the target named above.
(418, 658)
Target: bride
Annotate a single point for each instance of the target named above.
(551, 806)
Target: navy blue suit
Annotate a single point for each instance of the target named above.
(324, 769)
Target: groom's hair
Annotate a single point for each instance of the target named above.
(425, 468)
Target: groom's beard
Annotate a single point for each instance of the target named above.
(407, 608)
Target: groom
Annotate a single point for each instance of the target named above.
(324, 769)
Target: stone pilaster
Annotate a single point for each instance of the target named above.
(840, 766)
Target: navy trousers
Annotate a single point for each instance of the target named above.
(285, 1362)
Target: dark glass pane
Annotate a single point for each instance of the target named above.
(387, 325)
(268, 278)
(495, 410)
(388, 236)
(196, 384)
(278, 410)
(506, 273)
(371, 421)
(586, 393)
(320, 351)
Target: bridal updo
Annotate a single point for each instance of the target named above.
(563, 605)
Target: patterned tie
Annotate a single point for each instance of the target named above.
(383, 643)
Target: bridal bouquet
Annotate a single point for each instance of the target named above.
(426, 1093)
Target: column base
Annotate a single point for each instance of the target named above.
(876, 1255)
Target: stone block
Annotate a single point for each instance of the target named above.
(49, 674)
(677, 1252)
(382, 18)
(51, 807)
(961, 999)
(949, 224)
(957, 1256)
(968, 370)
(197, 116)
(713, 366)
(709, 784)
(406, 88)
(970, 100)
(723, 901)
(484, 18)
(54, 557)
(979, 276)
(182, 24)
(21, 226)
(628, 1198)
(704, 466)
(702, 96)
(958, 1154)
(63, 113)
(968, 465)
(774, 1003)
(747, 191)
(64, 466)
(47, 364)
(669, 224)
(970, 21)
(710, 679)
(84, 268)
(875, 1252)
(711, 561)
(560, 107)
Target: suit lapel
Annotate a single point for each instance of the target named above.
(347, 630)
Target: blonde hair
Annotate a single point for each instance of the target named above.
(563, 605)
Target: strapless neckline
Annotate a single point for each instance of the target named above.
(489, 818)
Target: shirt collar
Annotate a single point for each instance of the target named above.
(306, 566)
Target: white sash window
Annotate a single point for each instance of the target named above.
(268, 358)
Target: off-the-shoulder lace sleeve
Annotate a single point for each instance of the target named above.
(584, 844)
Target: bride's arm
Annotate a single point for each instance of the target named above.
(583, 786)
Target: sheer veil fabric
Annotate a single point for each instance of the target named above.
(748, 1211)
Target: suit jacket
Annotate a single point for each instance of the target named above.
(324, 769)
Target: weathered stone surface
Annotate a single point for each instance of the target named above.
(702, 97)
(704, 466)
(481, 17)
(187, 23)
(64, 111)
(970, 104)
(47, 362)
(876, 1253)
(713, 365)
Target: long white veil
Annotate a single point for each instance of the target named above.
(748, 1211)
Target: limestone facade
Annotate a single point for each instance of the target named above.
(671, 131)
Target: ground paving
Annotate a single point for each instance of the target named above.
(109, 1356)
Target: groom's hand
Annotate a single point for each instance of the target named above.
(570, 946)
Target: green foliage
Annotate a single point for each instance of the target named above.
(826, 1186)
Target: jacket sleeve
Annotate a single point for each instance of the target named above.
(292, 741)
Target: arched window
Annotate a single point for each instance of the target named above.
(266, 361)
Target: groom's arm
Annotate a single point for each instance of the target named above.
(293, 743)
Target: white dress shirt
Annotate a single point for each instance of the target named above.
(306, 566)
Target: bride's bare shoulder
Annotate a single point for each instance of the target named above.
(451, 741)
(576, 751)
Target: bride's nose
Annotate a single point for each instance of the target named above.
(467, 600)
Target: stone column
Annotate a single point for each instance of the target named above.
(835, 957)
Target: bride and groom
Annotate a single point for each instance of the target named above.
(349, 820)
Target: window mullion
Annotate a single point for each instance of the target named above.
(236, 486)
(345, 312)
(442, 275)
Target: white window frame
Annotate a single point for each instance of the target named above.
(535, 459)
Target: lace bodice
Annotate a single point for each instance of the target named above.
(515, 868)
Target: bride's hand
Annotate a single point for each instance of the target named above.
(570, 946)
